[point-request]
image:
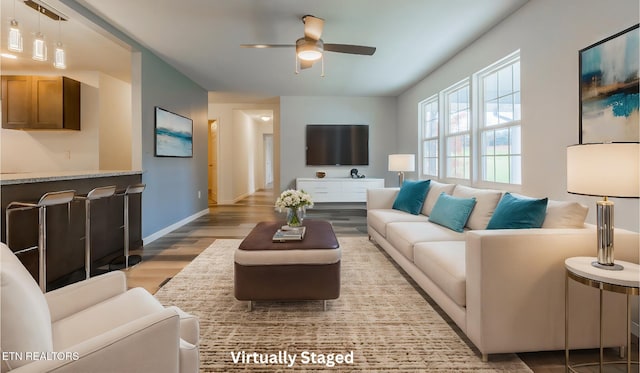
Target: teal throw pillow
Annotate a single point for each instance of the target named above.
(452, 212)
(518, 213)
(411, 196)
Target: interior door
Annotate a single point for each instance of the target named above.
(213, 162)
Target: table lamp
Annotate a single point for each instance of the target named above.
(402, 163)
(605, 170)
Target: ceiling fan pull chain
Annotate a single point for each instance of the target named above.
(322, 58)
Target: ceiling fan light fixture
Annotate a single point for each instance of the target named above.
(308, 49)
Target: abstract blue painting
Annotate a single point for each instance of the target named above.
(609, 89)
(174, 134)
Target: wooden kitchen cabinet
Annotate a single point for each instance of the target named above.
(40, 102)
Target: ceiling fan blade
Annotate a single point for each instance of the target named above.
(262, 46)
(306, 64)
(350, 49)
(313, 27)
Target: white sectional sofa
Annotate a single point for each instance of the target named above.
(504, 288)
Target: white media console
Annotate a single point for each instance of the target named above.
(338, 189)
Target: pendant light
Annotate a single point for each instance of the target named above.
(59, 60)
(39, 52)
(15, 36)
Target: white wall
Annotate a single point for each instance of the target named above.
(238, 156)
(298, 111)
(549, 34)
(261, 129)
(115, 124)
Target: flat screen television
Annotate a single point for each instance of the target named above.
(337, 145)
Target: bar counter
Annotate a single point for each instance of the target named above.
(65, 227)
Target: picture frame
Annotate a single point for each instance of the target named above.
(173, 134)
(609, 89)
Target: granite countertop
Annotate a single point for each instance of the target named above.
(45, 176)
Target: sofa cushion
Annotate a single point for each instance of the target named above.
(486, 202)
(402, 236)
(411, 196)
(114, 312)
(25, 321)
(444, 264)
(518, 213)
(452, 212)
(435, 189)
(565, 214)
(379, 218)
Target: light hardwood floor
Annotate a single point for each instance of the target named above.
(165, 257)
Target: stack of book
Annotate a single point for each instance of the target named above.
(287, 233)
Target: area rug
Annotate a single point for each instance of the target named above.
(379, 323)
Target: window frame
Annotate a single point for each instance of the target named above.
(482, 127)
(477, 130)
(447, 134)
(424, 138)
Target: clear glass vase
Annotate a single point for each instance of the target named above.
(295, 216)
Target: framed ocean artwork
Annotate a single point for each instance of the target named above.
(173, 134)
(609, 89)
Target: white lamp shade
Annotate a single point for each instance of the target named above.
(611, 170)
(402, 162)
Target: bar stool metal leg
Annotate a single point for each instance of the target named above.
(97, 193)
(127, 259)
(48, 199)
(131, 189)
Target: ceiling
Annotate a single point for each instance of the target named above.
(201, 38)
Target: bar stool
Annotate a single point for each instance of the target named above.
(47, 200)
(131, 189)
(96, 193)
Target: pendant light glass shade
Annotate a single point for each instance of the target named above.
(15, 37)
(39, 48)
(59, 61)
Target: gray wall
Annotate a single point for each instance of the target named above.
(298, 111)
(172, 183)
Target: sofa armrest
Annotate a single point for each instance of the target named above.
(148, 344)
(515, 282)
(381, 198)
(76, 297)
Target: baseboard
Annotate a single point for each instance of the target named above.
(152, 237)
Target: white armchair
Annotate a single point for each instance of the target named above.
(95, 325)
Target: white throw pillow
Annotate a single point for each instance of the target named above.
(435, 189)
(565, 214)
(26, 323)
(486, 202)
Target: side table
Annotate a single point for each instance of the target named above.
(626, 281)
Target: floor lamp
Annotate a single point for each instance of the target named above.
(604, 170)
(402, 163)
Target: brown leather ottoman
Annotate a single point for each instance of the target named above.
(284, 271)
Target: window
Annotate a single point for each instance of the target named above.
(476, 124)
(430, 130)
(458, 131)
(499, 127)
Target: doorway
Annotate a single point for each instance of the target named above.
(213, 162)
(268, 160)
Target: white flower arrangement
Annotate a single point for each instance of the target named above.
(293, 199)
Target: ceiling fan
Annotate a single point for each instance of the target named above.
(311, 48)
